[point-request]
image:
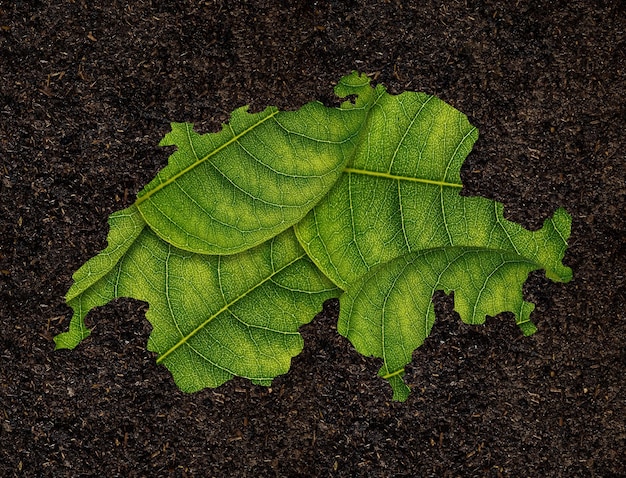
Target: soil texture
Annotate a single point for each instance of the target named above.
(88, 89)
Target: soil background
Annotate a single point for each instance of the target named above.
(87, 90)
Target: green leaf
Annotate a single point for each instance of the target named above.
(389, 313)
(225, 192)
(376, 187)
(213, 317)
(87, 291)
(400, 193)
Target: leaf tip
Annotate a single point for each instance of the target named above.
(401, 390)
(176, 128)
(69, 340)
(357, 84)
(527, 328)
(561, 224)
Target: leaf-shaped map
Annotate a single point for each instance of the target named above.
(372, 191)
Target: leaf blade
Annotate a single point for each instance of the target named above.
(389, 313)
(213, 317)
(265, 171)
(401, 193)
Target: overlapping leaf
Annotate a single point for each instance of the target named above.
(213, 317)
(209, 244)
(225, 192)
(400, 193)
(399, 200)
(389, 313)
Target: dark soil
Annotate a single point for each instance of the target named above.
(87, 90)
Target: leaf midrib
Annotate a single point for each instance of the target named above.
(226, 307)
(175, 177)
(396, 177)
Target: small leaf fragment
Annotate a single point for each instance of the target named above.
(390, 312)
(86, 291)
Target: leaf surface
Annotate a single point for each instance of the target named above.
(213, 317)
(372, 190)
(225, 192)
(389, 313)
(400, 194)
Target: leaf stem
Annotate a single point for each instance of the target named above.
(393, 374)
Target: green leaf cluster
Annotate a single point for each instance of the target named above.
(239, 240)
